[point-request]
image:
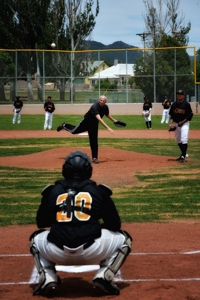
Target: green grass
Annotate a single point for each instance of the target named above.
(159, 196)
(36, 122)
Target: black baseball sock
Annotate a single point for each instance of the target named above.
(184, 149)
(147, 124)
(180, 146)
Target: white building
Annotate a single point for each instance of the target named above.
(117, 72)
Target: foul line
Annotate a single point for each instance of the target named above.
(132, 253)
(118, 277)
(121, 280)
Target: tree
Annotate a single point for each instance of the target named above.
(80, 23)
(22, 26)
(170, 65)
(7, 68)
(198, 65)
(165, 18)
(162, 69)
(107, 85)
(72, 34)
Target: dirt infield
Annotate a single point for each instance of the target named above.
(165, 258)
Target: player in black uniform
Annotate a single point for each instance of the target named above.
(17, 107)
(90, 123)
(49, 108)
(72, 208)
(147, 107)
(166, 107)
(181, 113)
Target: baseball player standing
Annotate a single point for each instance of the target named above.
(181, 115)
(147, 107)
(90, 123)
(49, 108)
(166, 107)
(72, 208)
(17, 107)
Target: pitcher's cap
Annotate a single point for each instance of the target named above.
(180, 92)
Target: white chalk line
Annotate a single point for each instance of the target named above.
(80, 269)
(132, 253)
(122, 280)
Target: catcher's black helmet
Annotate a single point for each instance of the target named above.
(77, 165)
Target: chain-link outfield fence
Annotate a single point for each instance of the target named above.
(123, 75)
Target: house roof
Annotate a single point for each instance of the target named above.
(90, 66)
(115, 72)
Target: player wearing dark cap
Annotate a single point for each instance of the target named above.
(180, 116)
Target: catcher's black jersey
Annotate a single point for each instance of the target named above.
(89, 204)
(147, 105)
(181, 111)
(49, 106)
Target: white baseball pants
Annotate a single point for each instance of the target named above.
(48, 120)
(103, 249)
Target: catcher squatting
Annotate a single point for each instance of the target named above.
(72, 208)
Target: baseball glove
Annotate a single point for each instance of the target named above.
(146, 115)
(172, 128)
(120, 124)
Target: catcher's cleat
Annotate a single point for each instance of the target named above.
(107, 287)
(48, 288)
(95, 161)
(60, 127)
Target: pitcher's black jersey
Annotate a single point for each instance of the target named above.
(94, 110)
(181, 111)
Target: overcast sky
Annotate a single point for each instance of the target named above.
(122, 20)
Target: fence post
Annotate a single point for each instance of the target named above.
(154, 73)
(16, 72)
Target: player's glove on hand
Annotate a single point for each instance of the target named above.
(120, 124)
(146, 115)
(172, 128)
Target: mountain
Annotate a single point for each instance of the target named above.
(110, 56)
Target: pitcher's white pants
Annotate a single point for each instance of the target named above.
(48, 120)
(103, 250)
(181, 133)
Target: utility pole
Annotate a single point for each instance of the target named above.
(144, 35)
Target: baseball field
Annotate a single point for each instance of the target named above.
(157, 198)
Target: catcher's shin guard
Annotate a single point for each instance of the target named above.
(34, 251)
(48, 278)
(122, 254)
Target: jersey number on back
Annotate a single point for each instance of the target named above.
(82, 200)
